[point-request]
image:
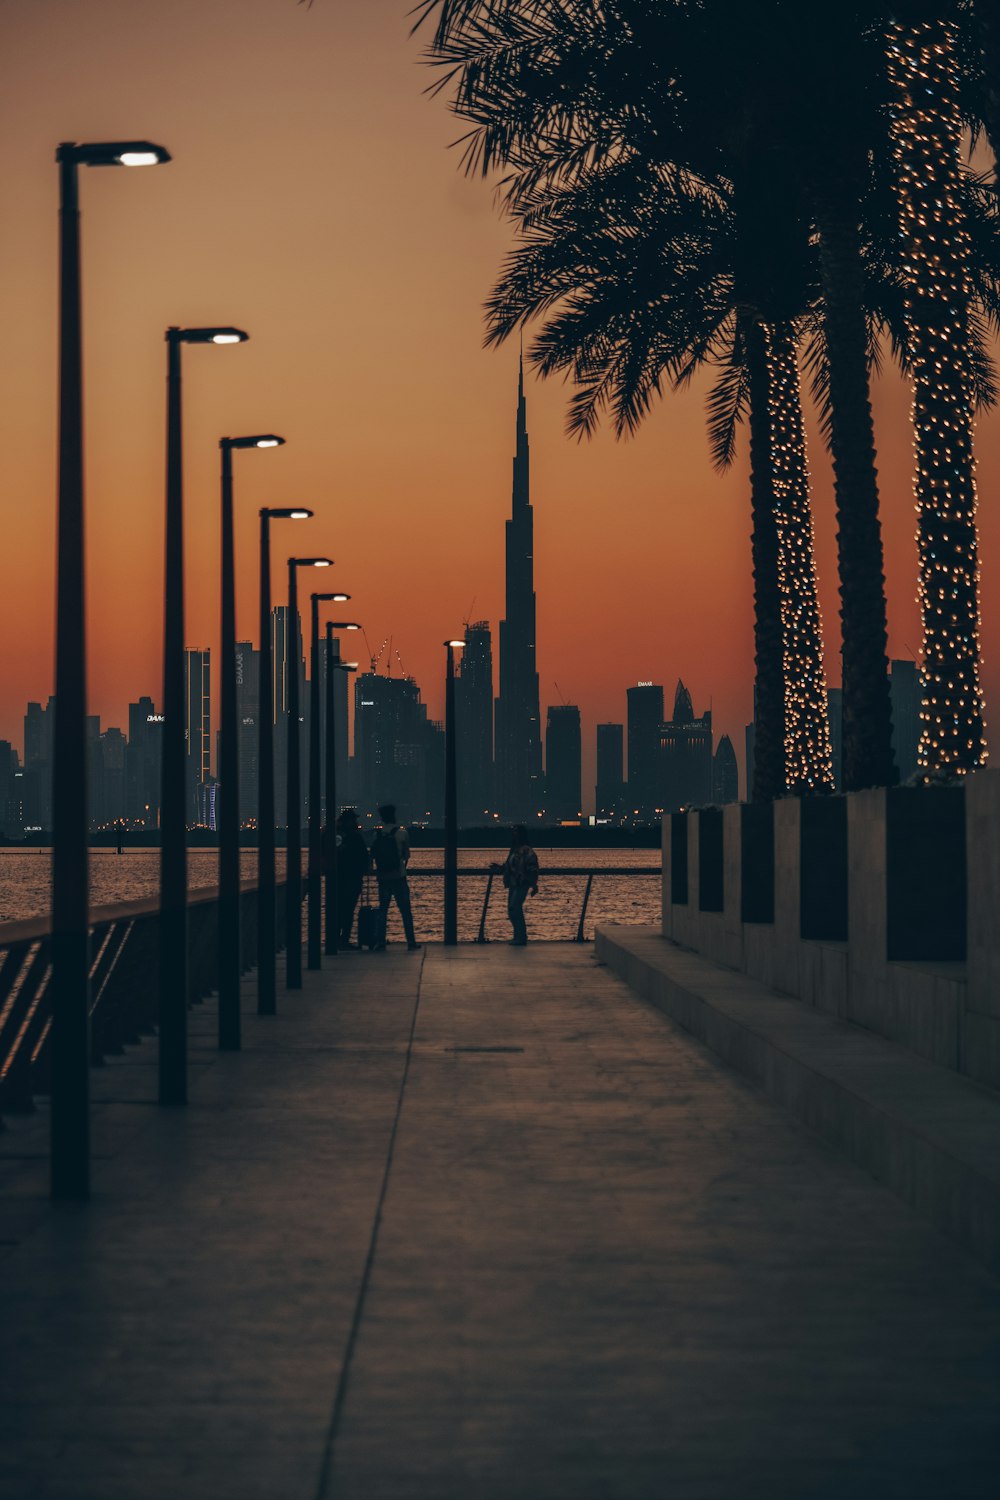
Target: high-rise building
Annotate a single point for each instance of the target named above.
(563, 785)
(247, 707)
(905, 691)
(474, 727)
(518, 728)
(390, 745)
(835, 718)
(197, 728)
(142, 764)
(340, 727)
(645, 715)
(280, 669)
(39, 727)
(686, 750)
(113, 753)
(10, 825)
(610, 790)
(725, 774)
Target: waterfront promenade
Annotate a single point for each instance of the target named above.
(476, 1224)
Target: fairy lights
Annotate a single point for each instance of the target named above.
(926, 134)
(808, 755)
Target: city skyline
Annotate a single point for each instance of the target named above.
(641, 551)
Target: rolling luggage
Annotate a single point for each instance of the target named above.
(368, 923)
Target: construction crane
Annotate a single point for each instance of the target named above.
(373, 656)
(562, 695)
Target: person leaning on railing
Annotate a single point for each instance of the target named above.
(520, 877)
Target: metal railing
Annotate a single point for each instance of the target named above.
(585, 874)
(124, 982)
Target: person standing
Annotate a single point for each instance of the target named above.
(390, 856)
(351, 854)
(520, 877)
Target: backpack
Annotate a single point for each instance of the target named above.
(385, 853)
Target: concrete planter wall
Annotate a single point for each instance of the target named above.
(881, 908)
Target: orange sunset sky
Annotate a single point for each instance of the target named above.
(313, 201)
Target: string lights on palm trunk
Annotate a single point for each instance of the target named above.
(927, 138)
(808, 755)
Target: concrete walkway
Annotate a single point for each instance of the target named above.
(478, 1224)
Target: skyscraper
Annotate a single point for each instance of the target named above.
(247, 705)
(725, 774)
(645, 715)
(340, 710)
(198, 727)
(518, 730)
(390, 744)
(563, 791)
(686, 749)
(474, 727)
(904, 688)
(142, 765)
(610, 790)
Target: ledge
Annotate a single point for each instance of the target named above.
(926, 1132)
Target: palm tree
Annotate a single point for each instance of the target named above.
(642, 282)
(708, 88)
(927, 129)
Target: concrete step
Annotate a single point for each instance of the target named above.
(929, 1134)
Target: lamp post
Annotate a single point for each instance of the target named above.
(70, 1139)
(332, 665)
(173, 966)
(293, 837)
(266, 914)
(229, 760)
(314, 882)
(450, 803)
(315, 926)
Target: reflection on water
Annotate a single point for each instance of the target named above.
(553, 914)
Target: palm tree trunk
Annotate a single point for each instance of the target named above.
(769, 687)
(927, 133)
(867, 745)
(808, 753)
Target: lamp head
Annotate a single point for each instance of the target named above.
(113, 153)
(331, 598)
(457, 644)
(285, 513)
(310, 562)
(223, 335)
(260, 440)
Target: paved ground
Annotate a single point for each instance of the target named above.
(375, 1259)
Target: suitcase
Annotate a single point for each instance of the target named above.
(368, 920)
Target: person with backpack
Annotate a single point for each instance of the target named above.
(390, 854)
(520, 877)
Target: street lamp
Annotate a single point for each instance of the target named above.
(293, 837)
(450, 803)
(70, 943)
(173, 812)
(315, 935)
(332, 913)
(266, 914)
(229, 759)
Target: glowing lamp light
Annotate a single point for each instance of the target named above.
(269, 442)
(299, 515)
(139, 159)
(455, 643)
(226, 338)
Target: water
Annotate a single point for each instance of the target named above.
(553, 914)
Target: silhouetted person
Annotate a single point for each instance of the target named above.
(390, 854)
(351, 854)
(520, 877)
